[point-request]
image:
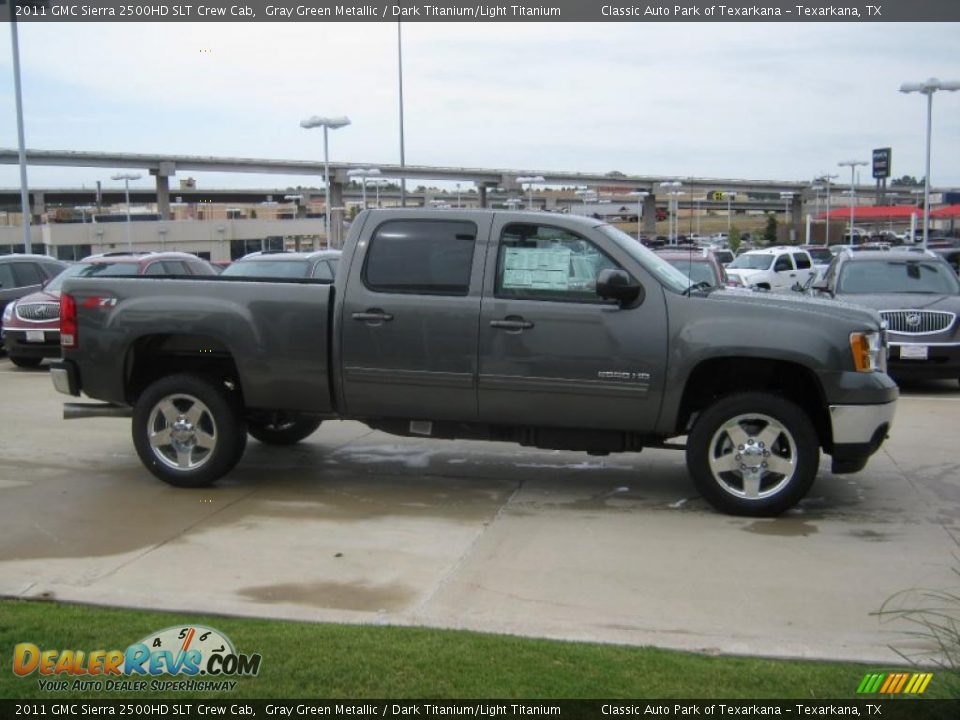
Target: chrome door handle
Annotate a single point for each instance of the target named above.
(373, 316)
(515, 325)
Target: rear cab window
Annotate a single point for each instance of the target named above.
(421, 257)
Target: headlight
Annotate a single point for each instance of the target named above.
(869, 351)
(8, 313)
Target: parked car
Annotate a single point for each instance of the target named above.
(479, 324)
(917, 293)
(700, 265)
(22, 275)
(32, 325)
(320, 264)
(774, 268)
(723, 256)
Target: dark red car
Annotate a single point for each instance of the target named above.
(31, 325)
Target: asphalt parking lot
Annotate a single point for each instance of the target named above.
(358, 526)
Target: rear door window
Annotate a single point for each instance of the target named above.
(802, 261)
(322, 271)
(421, 257)
(26, 274)
(782, 264)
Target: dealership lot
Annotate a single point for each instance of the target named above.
(359, 526)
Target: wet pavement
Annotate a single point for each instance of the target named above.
(359, 526)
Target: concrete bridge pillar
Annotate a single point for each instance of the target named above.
(650, 214)
(163, 174)
(335, 213)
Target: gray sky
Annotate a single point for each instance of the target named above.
(766, 101)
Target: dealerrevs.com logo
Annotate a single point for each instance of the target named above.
(204, 655)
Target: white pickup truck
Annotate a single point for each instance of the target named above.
(773, 268)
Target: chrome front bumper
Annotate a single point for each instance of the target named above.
(858, 424)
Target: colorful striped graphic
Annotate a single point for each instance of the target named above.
(894, 683)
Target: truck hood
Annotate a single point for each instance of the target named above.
(904, 301)
(819, 310)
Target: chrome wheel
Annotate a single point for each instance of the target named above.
(182, 432)
(752, 456)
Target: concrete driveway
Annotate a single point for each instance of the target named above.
(358, 526)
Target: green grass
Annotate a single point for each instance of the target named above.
(302, 660)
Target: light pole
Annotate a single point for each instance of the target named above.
(403, 179)
(730, 197)
(852, 164)
(671, 187)
(327, 123)
(928, 88)
(640, 195)
(127, 177)
(458, 195)
(786, 197)
(21, 143)
(529, 180)
(364, 173)
(827, 179)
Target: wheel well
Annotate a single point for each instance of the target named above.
(154, 356)
(718, 377)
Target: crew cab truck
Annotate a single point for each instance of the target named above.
(552, 331)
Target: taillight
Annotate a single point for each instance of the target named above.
(68, 322)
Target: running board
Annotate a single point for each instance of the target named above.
(73, 411)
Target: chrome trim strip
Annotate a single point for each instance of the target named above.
(595, 388)
(409, 377)
(856, 424)
(922, 344)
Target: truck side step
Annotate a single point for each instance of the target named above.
(73, 411)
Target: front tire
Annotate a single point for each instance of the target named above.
(283, 431)
(188, 430)
(753, 454)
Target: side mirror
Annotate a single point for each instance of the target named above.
(617, 285)
(821, 287)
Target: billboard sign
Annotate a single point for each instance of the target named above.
(881, 163)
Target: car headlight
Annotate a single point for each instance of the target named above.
(8, 313)
(869, 351)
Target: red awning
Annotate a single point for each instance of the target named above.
(876, 212)
(946, 211)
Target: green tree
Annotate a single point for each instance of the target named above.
(734, 240)
(770, 231)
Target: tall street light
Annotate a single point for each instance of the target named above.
(403, 179)
(364, 173)
(640, 195)
(22, 149)
(786, 197)
(730, 197)
(529, 180)
(827, 180)
(327, 123)
(928, 88)
(127, 177)
(852, 164)
(671, 187)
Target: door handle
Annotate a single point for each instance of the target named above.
(512, 323)
(373, 316)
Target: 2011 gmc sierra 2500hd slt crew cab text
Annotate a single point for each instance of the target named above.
(547, 330)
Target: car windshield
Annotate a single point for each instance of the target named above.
(752, 262)
(897, 276)
(656, 265)
(821, 256)
(292, 268)
(696, 270)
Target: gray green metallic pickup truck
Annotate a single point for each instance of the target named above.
(547, 330)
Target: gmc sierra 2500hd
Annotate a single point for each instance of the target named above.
(547, 330)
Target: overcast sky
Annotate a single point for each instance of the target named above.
(761, 101)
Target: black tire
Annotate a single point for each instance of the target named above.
(26, 362)
(283, 431)
(780, 470)
(212, 437)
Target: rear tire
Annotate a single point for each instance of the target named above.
(280, 431)
(753, 454)
(26, 362)
(188, 430)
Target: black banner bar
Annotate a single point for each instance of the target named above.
(884, 709)
(483, 11)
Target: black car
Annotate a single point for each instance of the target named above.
(321, 264)
(917, 293)
(24, 274)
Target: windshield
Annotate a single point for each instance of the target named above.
(821, 256)
(657, 266)
(752, 262)
(696, 270)
(268, 269)
(897, 276)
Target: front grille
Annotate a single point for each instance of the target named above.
(38, 312)
(918, 322)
